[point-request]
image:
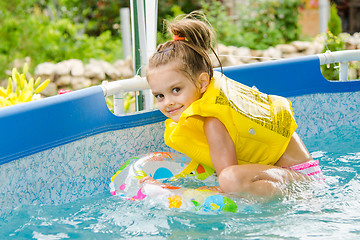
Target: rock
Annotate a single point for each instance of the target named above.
(108, 69)
(229, 60)
(119, 63)
(80, 82)
(72, 67)
(63, 80)
(50, 90)
(292, 55)
(129, 64)
(318, 47)
(286, 48)
(231, 50)
(271, 53)
(94, 71)
(222, 49)
(77, 67)
(352, 42)
(95, 81)
(63, 68)
(45, 68)
(125, 71)
(244, 53)
(352, 73)
(312, 49)
(350, 46)
(256, 53)
(214, 61)
(301, 45)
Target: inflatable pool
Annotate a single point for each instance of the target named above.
(62, 148)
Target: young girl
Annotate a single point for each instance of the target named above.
(248, 137)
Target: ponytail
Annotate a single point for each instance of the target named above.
(193, 38)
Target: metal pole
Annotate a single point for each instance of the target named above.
(144, 22)
(125, 32)
(324, 9)
(343, 71)
(138, 33)
(119, 103)
(151, 25)
(151, 30)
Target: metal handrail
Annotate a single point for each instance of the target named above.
(127, 85)
(118, 89)
(341, 57)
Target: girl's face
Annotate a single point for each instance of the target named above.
(174, 91)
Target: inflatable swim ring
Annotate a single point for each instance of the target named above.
(166, 166)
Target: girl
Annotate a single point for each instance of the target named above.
(248, 137)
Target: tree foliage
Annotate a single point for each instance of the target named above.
(56, 30)
(39, 29)
(257, 24)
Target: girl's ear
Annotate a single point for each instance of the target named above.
(204, 80)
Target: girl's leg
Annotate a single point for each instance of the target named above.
(295, 153)
(256, 179)
(296, 157)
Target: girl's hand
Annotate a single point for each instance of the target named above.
(149, 179)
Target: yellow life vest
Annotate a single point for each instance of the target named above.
(260, 125)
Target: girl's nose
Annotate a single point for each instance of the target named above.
(169, 101)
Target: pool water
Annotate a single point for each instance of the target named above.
(313, 211)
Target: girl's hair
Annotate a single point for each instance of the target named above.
(191, 52)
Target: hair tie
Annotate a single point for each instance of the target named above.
(178, 38)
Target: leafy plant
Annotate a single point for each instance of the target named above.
(258, 24)
(334, 21)
(37, 36)
(20, 90)
(225, 28)
(128, 100)
(164, 35)
(332, 43)
(169, 9)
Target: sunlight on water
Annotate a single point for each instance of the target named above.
(312, 211)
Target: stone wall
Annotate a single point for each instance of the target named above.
(74, 74)
(230, 55)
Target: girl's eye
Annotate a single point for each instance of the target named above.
(159, 96)
(176, 90)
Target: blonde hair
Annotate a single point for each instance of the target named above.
(192, 53)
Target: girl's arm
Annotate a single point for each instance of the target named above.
(222, 149)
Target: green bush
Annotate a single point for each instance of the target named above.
(258, 24)
(42, 39)
(334, 21)
(333, 42)
(224, 27)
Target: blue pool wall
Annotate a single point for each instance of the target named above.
(67, 147)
